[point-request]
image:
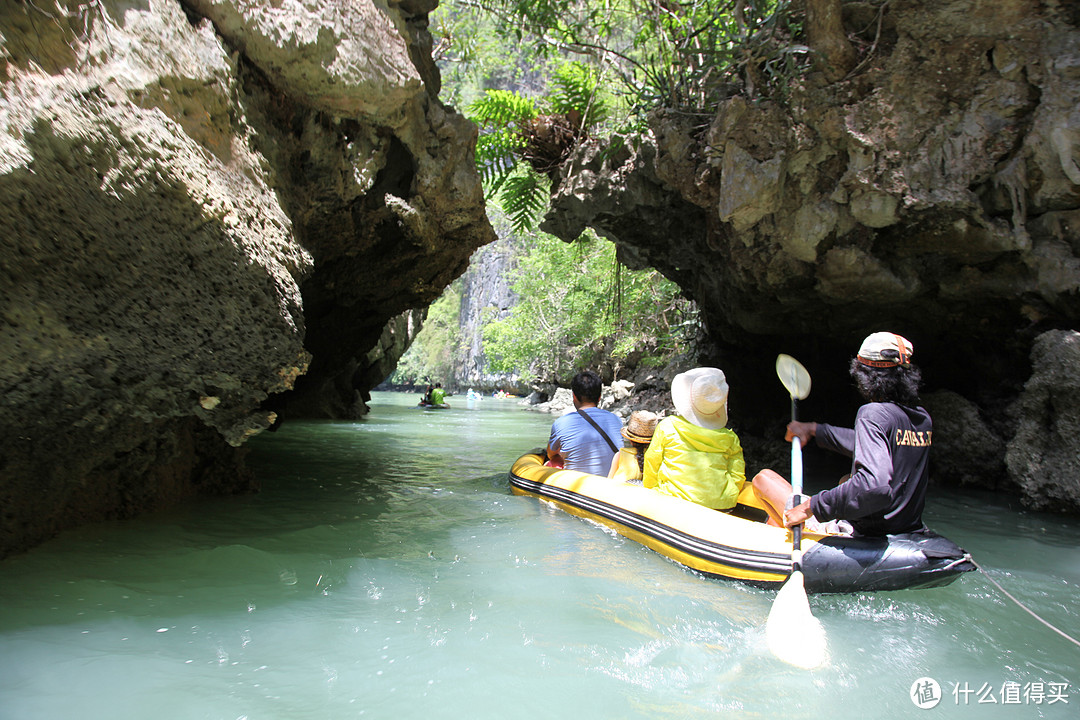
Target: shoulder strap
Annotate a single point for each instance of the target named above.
(599, 430)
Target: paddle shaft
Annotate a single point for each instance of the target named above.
(796, 486)
(797, 382)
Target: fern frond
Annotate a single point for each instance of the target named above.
(501, 108)
(523, 198)
(496, 153)
(577, 89)
(499, 113)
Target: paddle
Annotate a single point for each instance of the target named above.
(793, 633)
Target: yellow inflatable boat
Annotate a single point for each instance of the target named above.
(739, 545)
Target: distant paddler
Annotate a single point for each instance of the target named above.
(438, 395)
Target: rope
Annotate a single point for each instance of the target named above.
(1031, 612)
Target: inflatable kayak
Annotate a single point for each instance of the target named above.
(739, 545)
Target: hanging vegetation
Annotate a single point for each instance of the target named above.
(523, 141)
(579, 308)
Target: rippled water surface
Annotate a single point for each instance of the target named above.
(386, 571)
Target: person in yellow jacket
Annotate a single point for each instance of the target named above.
(694, 455)
(628, 464)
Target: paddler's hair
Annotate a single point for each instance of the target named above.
(898, 384)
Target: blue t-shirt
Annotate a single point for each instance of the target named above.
(580, 443)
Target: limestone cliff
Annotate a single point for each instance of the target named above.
(486, 295)
(933, 191)
(202, 202)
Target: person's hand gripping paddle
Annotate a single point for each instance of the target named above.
(793, 633)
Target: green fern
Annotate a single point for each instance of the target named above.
(501, 108)
(496, 156)
(499, 114)
(577, 89)
(523, 198)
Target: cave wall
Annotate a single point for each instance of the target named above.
(212, 215)
(934, 192)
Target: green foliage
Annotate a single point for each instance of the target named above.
(433, 355)
(502, 108)
(577, 307)
(576, 89)
(473, 57)
(515, 139)
(499, 114)
(681, 55)
(524, 197)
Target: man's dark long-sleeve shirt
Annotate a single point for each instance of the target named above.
(889, 447)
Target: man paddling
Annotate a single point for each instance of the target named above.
(889, 447)
(438, 395)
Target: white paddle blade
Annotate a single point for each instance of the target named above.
(794, 376)
(793, 633)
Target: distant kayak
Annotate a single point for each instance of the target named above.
(739, 545)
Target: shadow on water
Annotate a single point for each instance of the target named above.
(334, 495)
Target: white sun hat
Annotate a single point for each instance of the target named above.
(700, 396)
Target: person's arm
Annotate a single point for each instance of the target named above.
(653, 456)
(838, 439)
(868, 490)
(553, 446)
(614, 466)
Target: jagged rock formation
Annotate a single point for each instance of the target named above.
(204, 202)
(1042, 456)
(934, 191)
(486, 295)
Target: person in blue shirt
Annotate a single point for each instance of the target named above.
(575, 442)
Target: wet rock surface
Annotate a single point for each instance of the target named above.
(205, 205)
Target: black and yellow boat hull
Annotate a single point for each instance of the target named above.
(734, 545)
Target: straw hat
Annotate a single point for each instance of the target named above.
(640, 426)
(885, 349)
(700, 396)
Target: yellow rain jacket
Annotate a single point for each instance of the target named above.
(627, 469)
(695, 463)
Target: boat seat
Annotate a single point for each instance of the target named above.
(749, 506)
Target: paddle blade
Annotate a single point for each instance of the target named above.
(793, 633)
(794, 376)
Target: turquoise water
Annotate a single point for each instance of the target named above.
(385, 571)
